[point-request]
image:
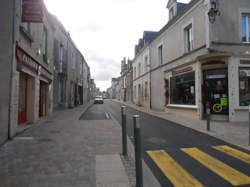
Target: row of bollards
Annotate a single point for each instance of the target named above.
(137, 142)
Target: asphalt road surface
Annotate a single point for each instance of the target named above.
(180, 156)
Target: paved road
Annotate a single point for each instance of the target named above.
(181, 156)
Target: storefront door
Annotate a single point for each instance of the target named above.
(22, 105)
(215, 91)
(43, 99)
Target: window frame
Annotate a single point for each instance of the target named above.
(247, 15)
(160, 54)
(171, 89)
(239, 80)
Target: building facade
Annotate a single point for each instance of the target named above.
(35, 55)
(198, 61)
(7, 37)
(32, 71)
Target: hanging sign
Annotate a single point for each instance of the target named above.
(32, 11)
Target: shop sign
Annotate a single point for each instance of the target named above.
(32, 11)
(175, 72)
(217, 108)
(26, 60)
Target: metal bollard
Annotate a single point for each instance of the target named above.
(208, 112)
(249, 127)
(138, 158)
(124, 131)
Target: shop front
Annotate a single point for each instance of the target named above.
(216, 91)
(44, 95)
(27, 69)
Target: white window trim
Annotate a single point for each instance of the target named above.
(160, 45)
(243, 11)
(184, 26)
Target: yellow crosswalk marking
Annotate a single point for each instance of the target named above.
(228, 173)
(172, 170)
(234, 153)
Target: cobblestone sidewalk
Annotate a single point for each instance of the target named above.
(58, 152)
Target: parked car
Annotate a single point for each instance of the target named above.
(98, 100)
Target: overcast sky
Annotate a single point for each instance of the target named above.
(105, 31)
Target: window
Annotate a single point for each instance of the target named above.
(134, 92)
(145, 64)
(160, 55)
(134, 72)
(81, 68)
(60, 57)
(244, 85)
(171, 13)
(183, 89)
(188, 31)
(146, 90)
(245, 33)
(139, 69)
(73, 61)
(45, 44)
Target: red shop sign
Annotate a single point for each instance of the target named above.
(32, 11)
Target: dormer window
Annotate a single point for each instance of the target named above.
(171, 13)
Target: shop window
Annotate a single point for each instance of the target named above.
(245, 31)
(183, 89)
(244, 85)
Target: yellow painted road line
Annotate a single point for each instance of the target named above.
(234, 153)
(172, 170)
(226, 172)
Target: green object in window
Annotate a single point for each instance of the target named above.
(223, 101)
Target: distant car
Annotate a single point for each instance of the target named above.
(98, 100)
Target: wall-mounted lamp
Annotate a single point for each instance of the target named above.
(213, 12)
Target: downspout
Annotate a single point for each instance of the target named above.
(13, 36)
(150, 85)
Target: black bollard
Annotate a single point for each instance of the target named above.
(124, 131)
(138, 158)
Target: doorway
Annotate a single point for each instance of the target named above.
(215, 91)
(43, 99)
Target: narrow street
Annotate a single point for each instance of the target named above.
(159, 134)
(76, 148)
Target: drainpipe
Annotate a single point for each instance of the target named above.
(13, 36)
(150, 85)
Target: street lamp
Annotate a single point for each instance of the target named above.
(213, 12)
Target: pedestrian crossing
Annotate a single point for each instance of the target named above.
(180, 177)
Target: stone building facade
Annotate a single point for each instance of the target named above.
(33, 57)
(7, 37)
(198, 62)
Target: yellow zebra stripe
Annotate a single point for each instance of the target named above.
(172, 170)
(226, 172)
(234, 153)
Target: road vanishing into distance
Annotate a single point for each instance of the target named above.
(180, 156)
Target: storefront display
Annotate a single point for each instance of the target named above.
(183, 89)
(244, 86)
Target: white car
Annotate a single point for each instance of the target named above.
(98, 100)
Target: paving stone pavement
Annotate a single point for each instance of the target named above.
(60, 151)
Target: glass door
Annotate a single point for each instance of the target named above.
(216, 91)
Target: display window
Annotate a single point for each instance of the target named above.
(183, 89)
(244, 86)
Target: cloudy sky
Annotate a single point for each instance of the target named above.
(105, 31)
